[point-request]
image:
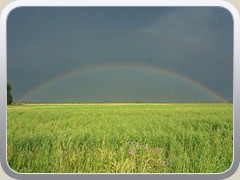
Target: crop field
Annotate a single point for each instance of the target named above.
(120, 138)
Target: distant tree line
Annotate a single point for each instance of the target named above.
(9, 94)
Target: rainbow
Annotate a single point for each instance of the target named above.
(102, 67)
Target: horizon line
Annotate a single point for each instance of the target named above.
(105, 102)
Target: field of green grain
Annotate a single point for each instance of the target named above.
(120, 138)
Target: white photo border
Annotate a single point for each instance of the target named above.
(122, 3)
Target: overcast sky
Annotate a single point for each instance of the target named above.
(120, 54)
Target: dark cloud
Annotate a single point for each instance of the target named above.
(43, 43)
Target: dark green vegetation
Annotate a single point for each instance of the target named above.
(9, 94)
(159, 138)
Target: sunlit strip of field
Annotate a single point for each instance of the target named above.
(120, 138)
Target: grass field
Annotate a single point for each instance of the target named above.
(120, 138)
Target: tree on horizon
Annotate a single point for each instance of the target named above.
(9, 94)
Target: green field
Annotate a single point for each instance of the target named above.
(120, 138)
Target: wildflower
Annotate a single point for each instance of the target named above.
(166, 162)
(158, 150)
(132, 152)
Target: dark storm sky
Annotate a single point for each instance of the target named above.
(120, 54)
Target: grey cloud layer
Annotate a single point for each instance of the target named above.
(196, 42)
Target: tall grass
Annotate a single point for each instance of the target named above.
(124, 138)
